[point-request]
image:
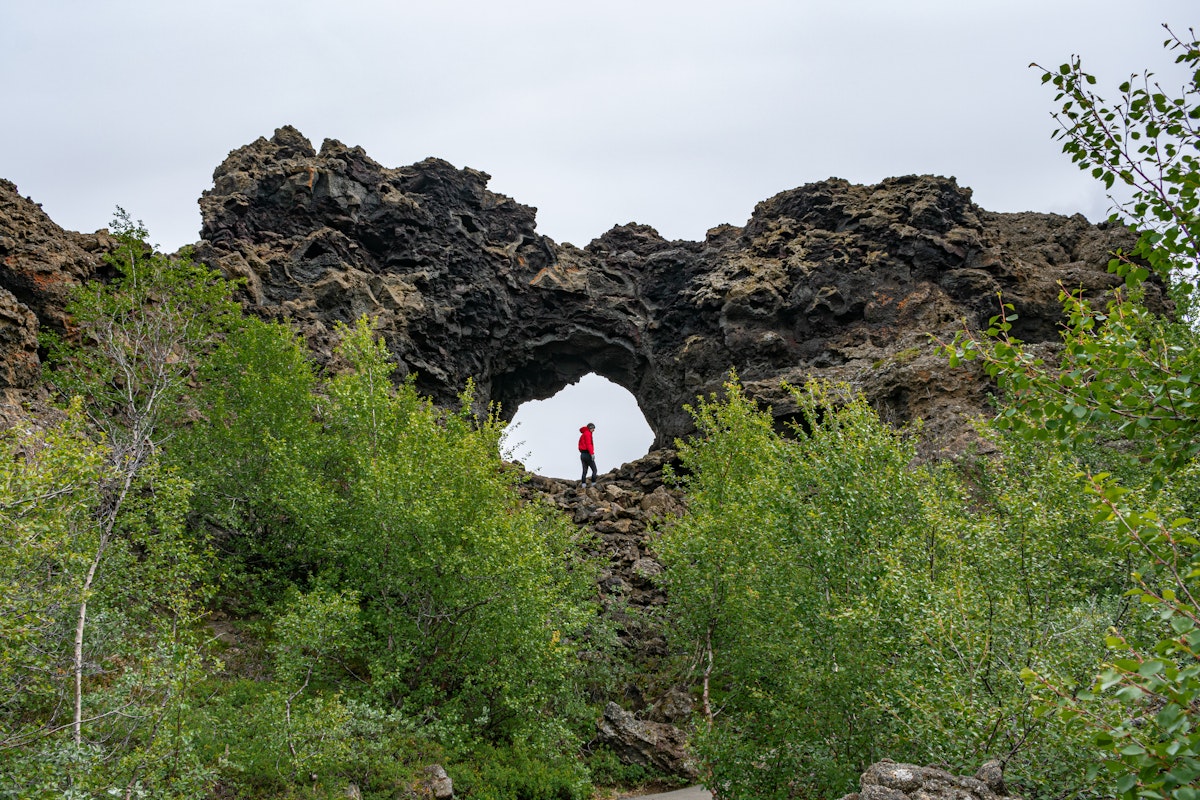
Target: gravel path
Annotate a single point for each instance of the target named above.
(690, 793)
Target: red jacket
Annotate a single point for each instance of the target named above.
(585, 441)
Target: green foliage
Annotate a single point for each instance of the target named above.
(315, 630)
(141, 654)
(474, 600)
(501, 774)
(776, 573)
(606, 769)
(411, 596)
(1123, 374)
(420, 583)
(255, 457)
(837, 604)
(238, 725)
(1127, 375)
(48, 482)
(1017, 575)
(114, 619)
(1157, 752)
(1146, 143)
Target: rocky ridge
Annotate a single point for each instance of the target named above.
(39, 263)
(617, 517)
(829, 280)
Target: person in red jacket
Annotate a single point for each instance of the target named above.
(587, 452)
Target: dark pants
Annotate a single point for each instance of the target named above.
(588, 460)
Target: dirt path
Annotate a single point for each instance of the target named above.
(690, 793)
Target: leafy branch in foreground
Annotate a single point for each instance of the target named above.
(1142, 707)
(1122, 373)
(1147, 142)
(1126, 375)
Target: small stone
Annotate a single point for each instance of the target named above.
(992, 774)
(438, 783)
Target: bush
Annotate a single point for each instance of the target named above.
(838, 604)
(517, 774)
(1127, 375)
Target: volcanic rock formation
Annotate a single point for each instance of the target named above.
(889, 780)
(828, 280)
(39, 263)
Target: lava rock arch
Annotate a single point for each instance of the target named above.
(829, 280)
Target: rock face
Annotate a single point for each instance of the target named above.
(828, 280)
(18, 341)
(39, 263)
(618, 514)
(889, 780)
(649, 744)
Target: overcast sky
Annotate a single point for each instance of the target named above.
(677, 114)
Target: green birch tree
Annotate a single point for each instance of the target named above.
(1127, 375)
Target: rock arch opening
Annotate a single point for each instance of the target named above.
(543, 433)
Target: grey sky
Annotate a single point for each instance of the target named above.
(680, 114)
(544, 434)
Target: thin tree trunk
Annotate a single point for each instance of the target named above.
(80, 623)
(287, 714)
(708, 667)
(108, 524)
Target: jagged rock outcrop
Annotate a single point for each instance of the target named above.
(828, 280)
(656, 745)
(18, 341)
(618, 512)
(889, 780)
(39, 263)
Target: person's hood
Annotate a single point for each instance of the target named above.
(583, 429)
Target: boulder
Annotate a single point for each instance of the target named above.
(889, 780)
(658, 745)
(437, 784)
(675, 706)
